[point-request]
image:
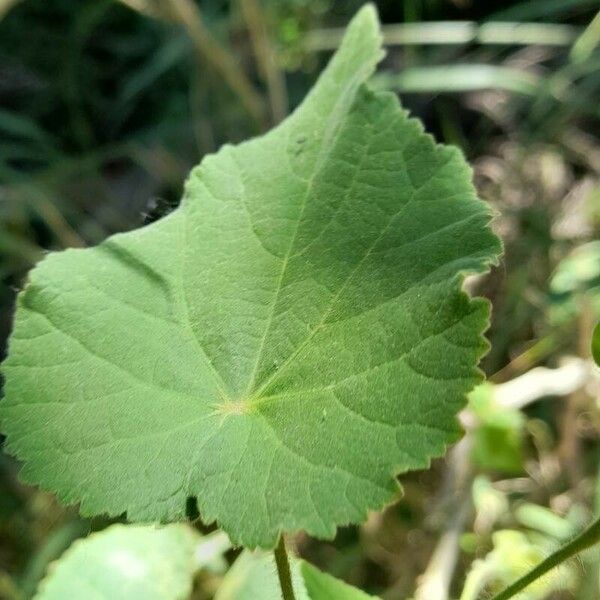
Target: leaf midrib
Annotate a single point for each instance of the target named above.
(335, 120)
(340, 291)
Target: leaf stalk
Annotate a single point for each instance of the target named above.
(283, 570)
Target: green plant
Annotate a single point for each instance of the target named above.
(278, 348)
(586, 539)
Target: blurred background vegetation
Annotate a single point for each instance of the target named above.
(105, 106)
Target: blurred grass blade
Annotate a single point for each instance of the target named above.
(149, 8)
(6, 5)
(17, 125)
(459, 78)
(587, 42)
(536, 9)
(457, 32)
(47, 210)
(539, 518)
(224, 63)
(526, 34)
(13, 245)
(265, 58)
(444, 32)
(187, 13)
(54, 545)
(166, 57)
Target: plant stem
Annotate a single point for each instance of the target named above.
(584, 540)
(283, 570)
(188, 15)
(223, 62)
(265, 58)
(454, 507)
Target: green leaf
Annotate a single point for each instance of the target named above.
(254, 575)
(498, 434)
(321, 586)
(282, 345)
(575, 285)
(128, 562)
(596, 344)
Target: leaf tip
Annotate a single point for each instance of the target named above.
(364, 32)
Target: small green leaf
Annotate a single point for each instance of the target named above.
(321, 586)
(126, 562)
(576, 284)
(498, 435)
(254, 575)
(282, 345)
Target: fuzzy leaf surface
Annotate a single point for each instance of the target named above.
(282, 345)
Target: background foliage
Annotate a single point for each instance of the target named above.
(103, 111)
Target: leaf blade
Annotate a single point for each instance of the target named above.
(280, 346)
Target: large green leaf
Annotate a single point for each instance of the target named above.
(130, 562)
(280, 346)
(254, 575)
